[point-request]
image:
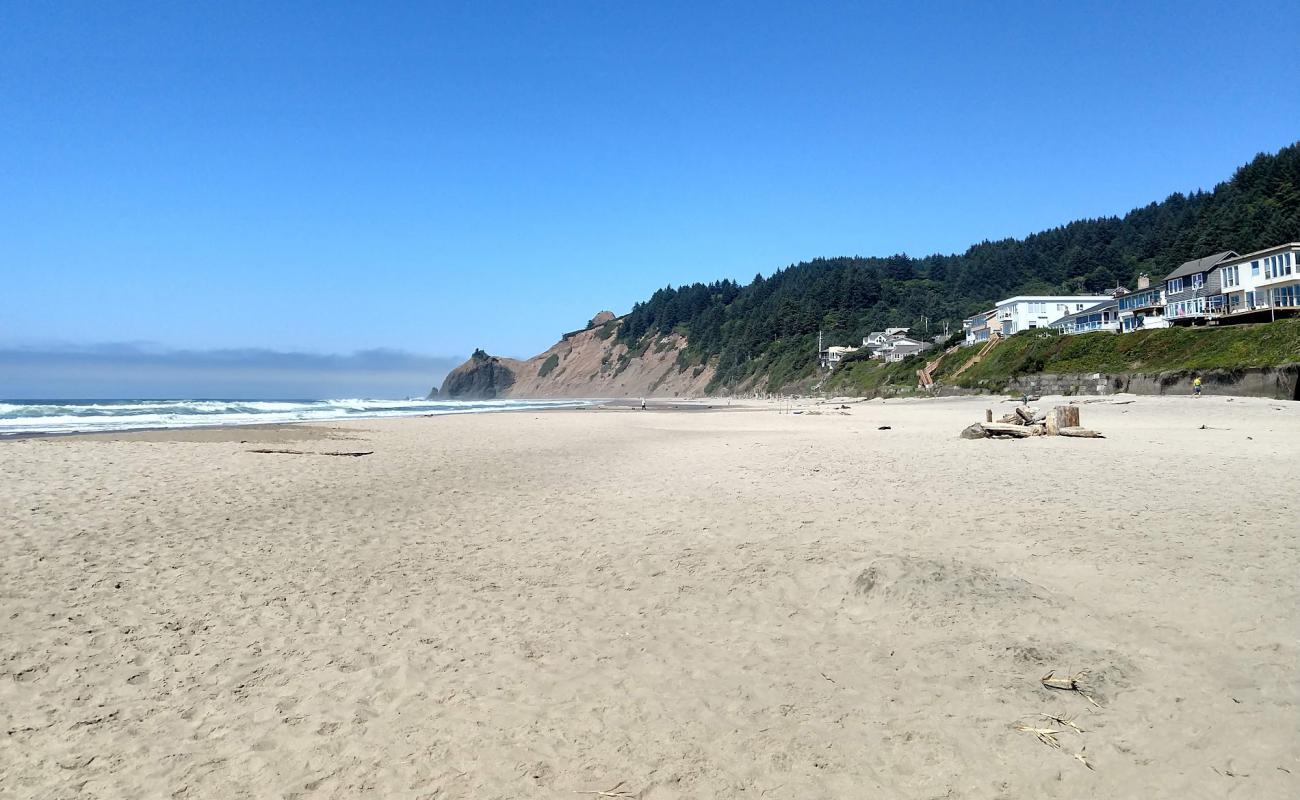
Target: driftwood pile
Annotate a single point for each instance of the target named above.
(1028, 421)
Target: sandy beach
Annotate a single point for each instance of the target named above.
(734, 604)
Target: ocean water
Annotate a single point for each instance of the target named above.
(86, 416)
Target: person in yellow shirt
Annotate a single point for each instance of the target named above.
(1196, 386)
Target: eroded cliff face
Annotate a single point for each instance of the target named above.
(588, 363)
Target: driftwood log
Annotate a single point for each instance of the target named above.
(1063, 417)
(1027, 421)
(1080, 433)
(997, 429)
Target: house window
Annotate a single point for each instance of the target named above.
(1254, 268)
(1175, 286)
(1198, 280)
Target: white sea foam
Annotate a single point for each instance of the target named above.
(71, 416)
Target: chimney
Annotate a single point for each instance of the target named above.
(1144, 281)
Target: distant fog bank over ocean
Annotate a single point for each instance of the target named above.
(136, 369)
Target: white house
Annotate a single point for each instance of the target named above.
(892, 341)
(1261, 279)
(877, 339)
(1026, 312)
(835, 354)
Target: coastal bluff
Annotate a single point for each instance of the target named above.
(482, 377)
(591, 362)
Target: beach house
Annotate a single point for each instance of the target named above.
(1239, 282)
(1143, 308)
(1192, 292)
(980, 327)
(899, 348)
(1277, 283)
(1027, 312)
(878, 339)
(1103, 316)
(893, 344)
(834, 354)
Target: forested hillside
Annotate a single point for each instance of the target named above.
(764, 334)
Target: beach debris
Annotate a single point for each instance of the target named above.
(1029, 415)
(1045, 735)
(616, 790)
(1083, 759)
(1071, 683)
(1080, 433)
(1063, 721)
(1028, 421)
(355, 454)
(1000, 430)
(1064, 417)
(884, 428)
(1227, 773)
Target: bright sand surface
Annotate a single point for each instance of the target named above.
(737, 603)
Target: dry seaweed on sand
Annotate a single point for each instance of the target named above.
(616, 790)
(1062, 720)
(355, 454)
(1045, 735)
(1083, 759)
(1073, 683)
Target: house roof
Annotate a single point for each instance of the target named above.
(1267, 251)
(1052, 298)
(1201, 265)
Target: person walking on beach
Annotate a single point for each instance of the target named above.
(1196, 386)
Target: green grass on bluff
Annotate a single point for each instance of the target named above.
(1170, 349)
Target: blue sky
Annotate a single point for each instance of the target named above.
(434, 177)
